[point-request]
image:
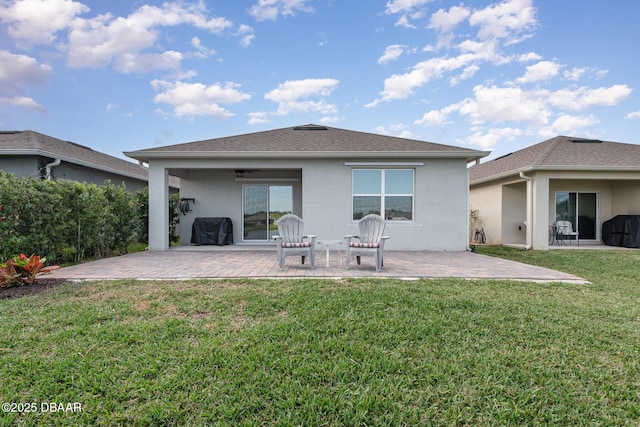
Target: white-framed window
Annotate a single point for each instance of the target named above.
(386, 192)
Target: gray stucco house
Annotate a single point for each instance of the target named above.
(330, 177)
(32, 154)
(583, 181)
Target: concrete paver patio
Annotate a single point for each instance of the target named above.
(184, 263)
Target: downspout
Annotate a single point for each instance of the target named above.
(529, 215)
(49, 166)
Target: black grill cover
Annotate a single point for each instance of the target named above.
(212, 231)
(622, 230)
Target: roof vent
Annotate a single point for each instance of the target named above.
(310, 127)
(502, 157)
(585, 141)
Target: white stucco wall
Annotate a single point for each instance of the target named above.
(323, 198)
(487, 199)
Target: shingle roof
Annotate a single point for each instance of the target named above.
(30, 142)
(305, 140)
(556, 153)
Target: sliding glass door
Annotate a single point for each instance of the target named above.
(580, 209)
(262, 206)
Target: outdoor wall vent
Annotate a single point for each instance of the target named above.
(310, 127)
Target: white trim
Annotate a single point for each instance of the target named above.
(267, 180)
(384, 163)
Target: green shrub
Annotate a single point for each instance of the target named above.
(68, 221)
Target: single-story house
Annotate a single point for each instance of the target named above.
(32, 154)
(330, 177)
(521, 195)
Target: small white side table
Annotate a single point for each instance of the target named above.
(327, 245)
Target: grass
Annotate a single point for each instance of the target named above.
(324, 352)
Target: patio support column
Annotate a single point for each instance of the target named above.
(529, 213)
(158, 208)
(541, 211)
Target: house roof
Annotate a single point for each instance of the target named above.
(33, 143)
(309, 141)
(561, 153)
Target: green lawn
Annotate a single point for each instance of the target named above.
(324, 352)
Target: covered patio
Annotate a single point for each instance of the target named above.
(238, 261)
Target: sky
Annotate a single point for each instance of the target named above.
(490, 75)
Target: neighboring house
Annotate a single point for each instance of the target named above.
(330, 177)
(583, 181)
(32, 154)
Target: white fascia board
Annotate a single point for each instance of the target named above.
(145, 156)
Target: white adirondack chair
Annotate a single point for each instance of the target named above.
(370, 241)
(292, 241)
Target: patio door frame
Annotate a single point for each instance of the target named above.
(269, 220)
(576, 223)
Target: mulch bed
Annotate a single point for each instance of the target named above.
(40, 286)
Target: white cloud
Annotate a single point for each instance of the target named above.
(291, 96)
(269, 10)
(488, 140)
(633, 115)
(258, 117)
(404, 6)
(401, 86)
(575, 73)
(197, 99)
(391, 53)
(499, 104)
(504, 20)
(16, 72)
(246, 35)
(433, 118)
(529, 57)
(543, 70)
(408, 10)
(128, 43)
(37, 21)
(576, 99)
(567, 124)
(444, 21)
(201, 51)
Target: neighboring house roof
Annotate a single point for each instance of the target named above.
(561, 153)
(30, 143)
(310, 141)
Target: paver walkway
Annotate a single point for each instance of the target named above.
(185, 264)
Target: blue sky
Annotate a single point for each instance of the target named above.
(493, 75)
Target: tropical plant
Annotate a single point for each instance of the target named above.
(23, 270)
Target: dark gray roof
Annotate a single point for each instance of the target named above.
(34, 143)
(561, 152)
(308, 141)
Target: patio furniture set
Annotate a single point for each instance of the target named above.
(293, 242)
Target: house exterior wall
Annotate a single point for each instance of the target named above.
(514, 213)
(625, 198)
(487, 199)
(79, 173)
(20, 166)
(323, 196)
(30, 166)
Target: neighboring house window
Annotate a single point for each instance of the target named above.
(386, 192)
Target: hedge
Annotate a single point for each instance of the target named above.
(69, 221)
